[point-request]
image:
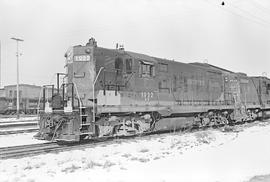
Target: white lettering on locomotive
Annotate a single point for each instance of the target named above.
(147, 96)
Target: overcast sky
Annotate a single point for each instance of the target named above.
(235, 36)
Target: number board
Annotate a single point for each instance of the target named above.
(82, 58)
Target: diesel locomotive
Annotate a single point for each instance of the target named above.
(114, 92)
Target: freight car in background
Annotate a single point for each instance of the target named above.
(28, 98)
(113, 92)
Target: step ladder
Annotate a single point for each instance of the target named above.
(85, 126)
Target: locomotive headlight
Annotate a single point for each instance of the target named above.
(88, 51)
(82, 58)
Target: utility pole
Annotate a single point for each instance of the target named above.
(0, 62)
(17, 55)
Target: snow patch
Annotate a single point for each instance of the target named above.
(211, 155)
(19, 139)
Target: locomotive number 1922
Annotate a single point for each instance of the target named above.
(147, 96)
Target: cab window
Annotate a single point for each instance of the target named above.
(147, 69)
(118, 65)
(268, 89)
(163, 67)
(128, 66)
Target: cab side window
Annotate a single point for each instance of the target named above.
(146, 69)
(163, 67)
(268, 88)
(128, 66)
(118, 65)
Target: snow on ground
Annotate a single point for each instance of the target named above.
(18, 139)
(210, 155)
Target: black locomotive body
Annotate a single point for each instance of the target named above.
(113, 92)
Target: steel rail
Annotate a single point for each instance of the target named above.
(9, 132)
(26, 150)
(20, 121)
(35, 149)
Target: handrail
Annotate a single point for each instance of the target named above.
(93, 87)
(80, 102)
(40, 95)
(77, 92)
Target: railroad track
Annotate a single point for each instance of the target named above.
(6, 124)
(15, 127)
(27, 150)
(15, 116)
(35, 149)
(42, 148)
(9, 132)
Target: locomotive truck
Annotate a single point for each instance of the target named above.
(113, 92)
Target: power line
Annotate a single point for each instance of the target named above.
(261, 7)
(0, 62)
(254, 17)
(265, 24)
(249, 13)
(258, 7)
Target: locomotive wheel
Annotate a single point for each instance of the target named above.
(205, 121)
(124, 126)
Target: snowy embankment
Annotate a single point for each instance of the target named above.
(210, 155)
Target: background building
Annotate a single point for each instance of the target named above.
(28, 95)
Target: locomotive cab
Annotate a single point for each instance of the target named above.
(98, 91)
(67, 114)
